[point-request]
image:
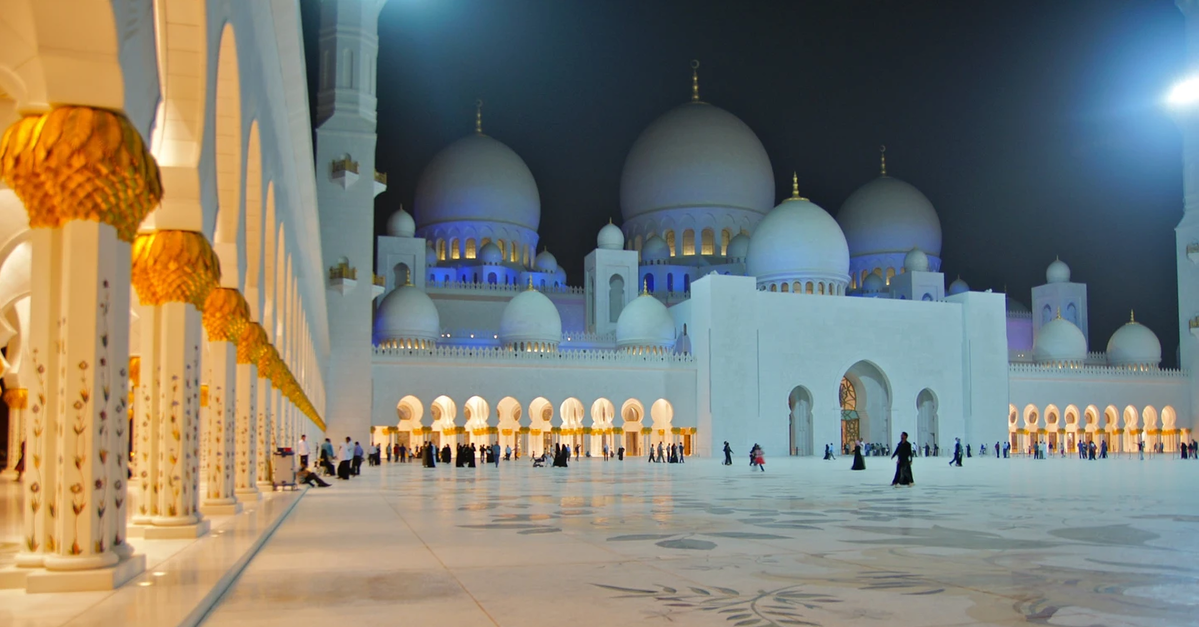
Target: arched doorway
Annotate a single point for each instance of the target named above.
(615, 297)
(478, 418)
(541, 415)
(509, 412)
(662, 413)
(866, 405)
(632, 412)
(444, 412)
(926, 419)
(602, 413)
(410, 431)
(571, 428)
(800, 404)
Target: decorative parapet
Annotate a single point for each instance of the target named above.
(380, 182)
(378, 285)
(1023, 369)
(1019, 315)
(571, 340)
(379, 280)
(343, 277)
(344, 172)
(1093, 358)
(1194, 325)
(552, 359)
(434, 286)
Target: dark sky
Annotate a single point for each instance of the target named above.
(1035, 128)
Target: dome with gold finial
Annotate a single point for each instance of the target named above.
(695, 160)
(610, 237)
(1059, 342)
(407, 318)
(645, 323)
(799, 242)
(530, 322)
(1134, 346)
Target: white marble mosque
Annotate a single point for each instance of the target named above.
(190, 280)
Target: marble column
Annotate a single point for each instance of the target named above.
(173, 272)
(250, 345)
(144, 457)
(225, 317)
(87, 182)
(265, 433)
(17, 400)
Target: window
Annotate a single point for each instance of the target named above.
(890, 275)
(670, 242)
(455, 252)
(440, 249)
(503, 249)
(725, 236)
(848, 396)
(707, 242)
(689, 242)
(470, 248)
(810, 287)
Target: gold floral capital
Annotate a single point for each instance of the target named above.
(204, 395)
(251, 344)
(80, 163)
(135, 370)
(174, 267)
(226, 314)
(16, 398)
(268, 362)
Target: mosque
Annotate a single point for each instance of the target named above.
(185, 276)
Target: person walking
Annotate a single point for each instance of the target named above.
(903, 465)
(759, 458)
(661, 454)
(357, 465)
(728, 454)
(957, 453)
(651, 453)
(345, 460)
(302, 450)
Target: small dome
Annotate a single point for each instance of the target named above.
(1059, 341)
(888, 215)
(655, 249)
(798, 240)
(957, 287)
(915, 261)
(738, 247)
(1057, 272)
(430, 256)
(530, 317)
(645, 322)
(407, 313)
(873, 284)
(696, 155)
(479, 179)
(1134, 345)
(610, 237)
(545, 262)
(401, 224)
(560, 274)
(490, 254)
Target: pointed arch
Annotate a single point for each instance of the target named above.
(228, 234)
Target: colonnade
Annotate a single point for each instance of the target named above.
(207, 383)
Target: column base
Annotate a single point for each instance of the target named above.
(9, 474)
(14, 577)
(178, 532)
(248, 495)
(221, 508)
(100, 579)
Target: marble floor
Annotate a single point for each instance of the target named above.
(996, 542)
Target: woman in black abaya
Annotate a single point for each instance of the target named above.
(858, 462)
(903, 465)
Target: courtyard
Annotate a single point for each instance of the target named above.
(996, 542)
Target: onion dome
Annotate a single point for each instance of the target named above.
(696, 155)
(407, 318)
(655, 250)
(531, 322)
(873, 284)
(491, 254)
(610, 237)
(401, 224)
(888, 215)
(798, 241)
(1059, 341)
(957, 287)
(1134, 346)
(560, 275)
(478, 179)
(915, 261)
(1057, 272)
(644, 323)
(430, 256)
(545, 262)
(738, 247)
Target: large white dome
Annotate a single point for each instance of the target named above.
(645, 322)
(888, 215)
(798, 240)
(477, 178)
(696, 155)
(1134, 345)
(1059, 341)
(407, 313)
(529, 318)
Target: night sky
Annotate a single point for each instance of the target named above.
(1035, 128)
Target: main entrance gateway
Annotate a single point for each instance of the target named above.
(851, 430)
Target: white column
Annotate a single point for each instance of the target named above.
(247, 414)
(17, 400)
(225, 317)
(144, 459)
(264, 435)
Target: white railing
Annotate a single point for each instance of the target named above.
(498, 287)
(1095, 371)
(578, 337)
(1020, 315)
(500, 355)
(1094, 358)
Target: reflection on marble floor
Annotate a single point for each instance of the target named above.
(1053, 542)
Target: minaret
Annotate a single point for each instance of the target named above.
(346, 184)
(1186, 234)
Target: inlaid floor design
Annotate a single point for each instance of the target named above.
(808, 542)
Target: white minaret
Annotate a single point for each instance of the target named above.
(1186, 234)
(611, 280)
(346, 184)
(1060, 295)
